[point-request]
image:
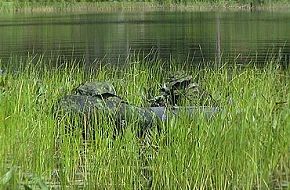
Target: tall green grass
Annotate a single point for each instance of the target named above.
(159, 1)
(138, 5)
(245, 146)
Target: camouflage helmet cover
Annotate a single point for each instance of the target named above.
(96, 89)
(177, 81)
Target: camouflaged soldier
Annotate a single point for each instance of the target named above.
(180, 90)
(92, 101)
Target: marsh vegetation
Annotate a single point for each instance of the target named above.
(137, 5)
(136, 45)
(245, 146)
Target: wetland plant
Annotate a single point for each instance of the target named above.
(245, 146)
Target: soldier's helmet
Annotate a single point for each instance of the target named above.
(177, 81)
(102, 89)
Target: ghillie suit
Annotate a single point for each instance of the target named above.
(180, 95)
(95, 104)
(179, 90)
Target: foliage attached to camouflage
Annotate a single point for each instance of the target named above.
(180, 90)
(91, 101)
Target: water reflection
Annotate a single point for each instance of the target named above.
(112, 37)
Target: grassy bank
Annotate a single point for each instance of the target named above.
(135, 6)
(246, 146)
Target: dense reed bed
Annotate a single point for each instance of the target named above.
(245, 146)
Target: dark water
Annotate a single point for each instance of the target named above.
(191, 36)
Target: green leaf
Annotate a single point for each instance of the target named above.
(26, 187)
(8, 176)
(40, 183)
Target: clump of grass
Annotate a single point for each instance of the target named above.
(246, 145)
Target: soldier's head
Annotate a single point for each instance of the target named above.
(102, 89)
(178, 81)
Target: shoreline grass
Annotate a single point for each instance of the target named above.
(48, 7)
(246, 146)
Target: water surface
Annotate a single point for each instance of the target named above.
(191, 36)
